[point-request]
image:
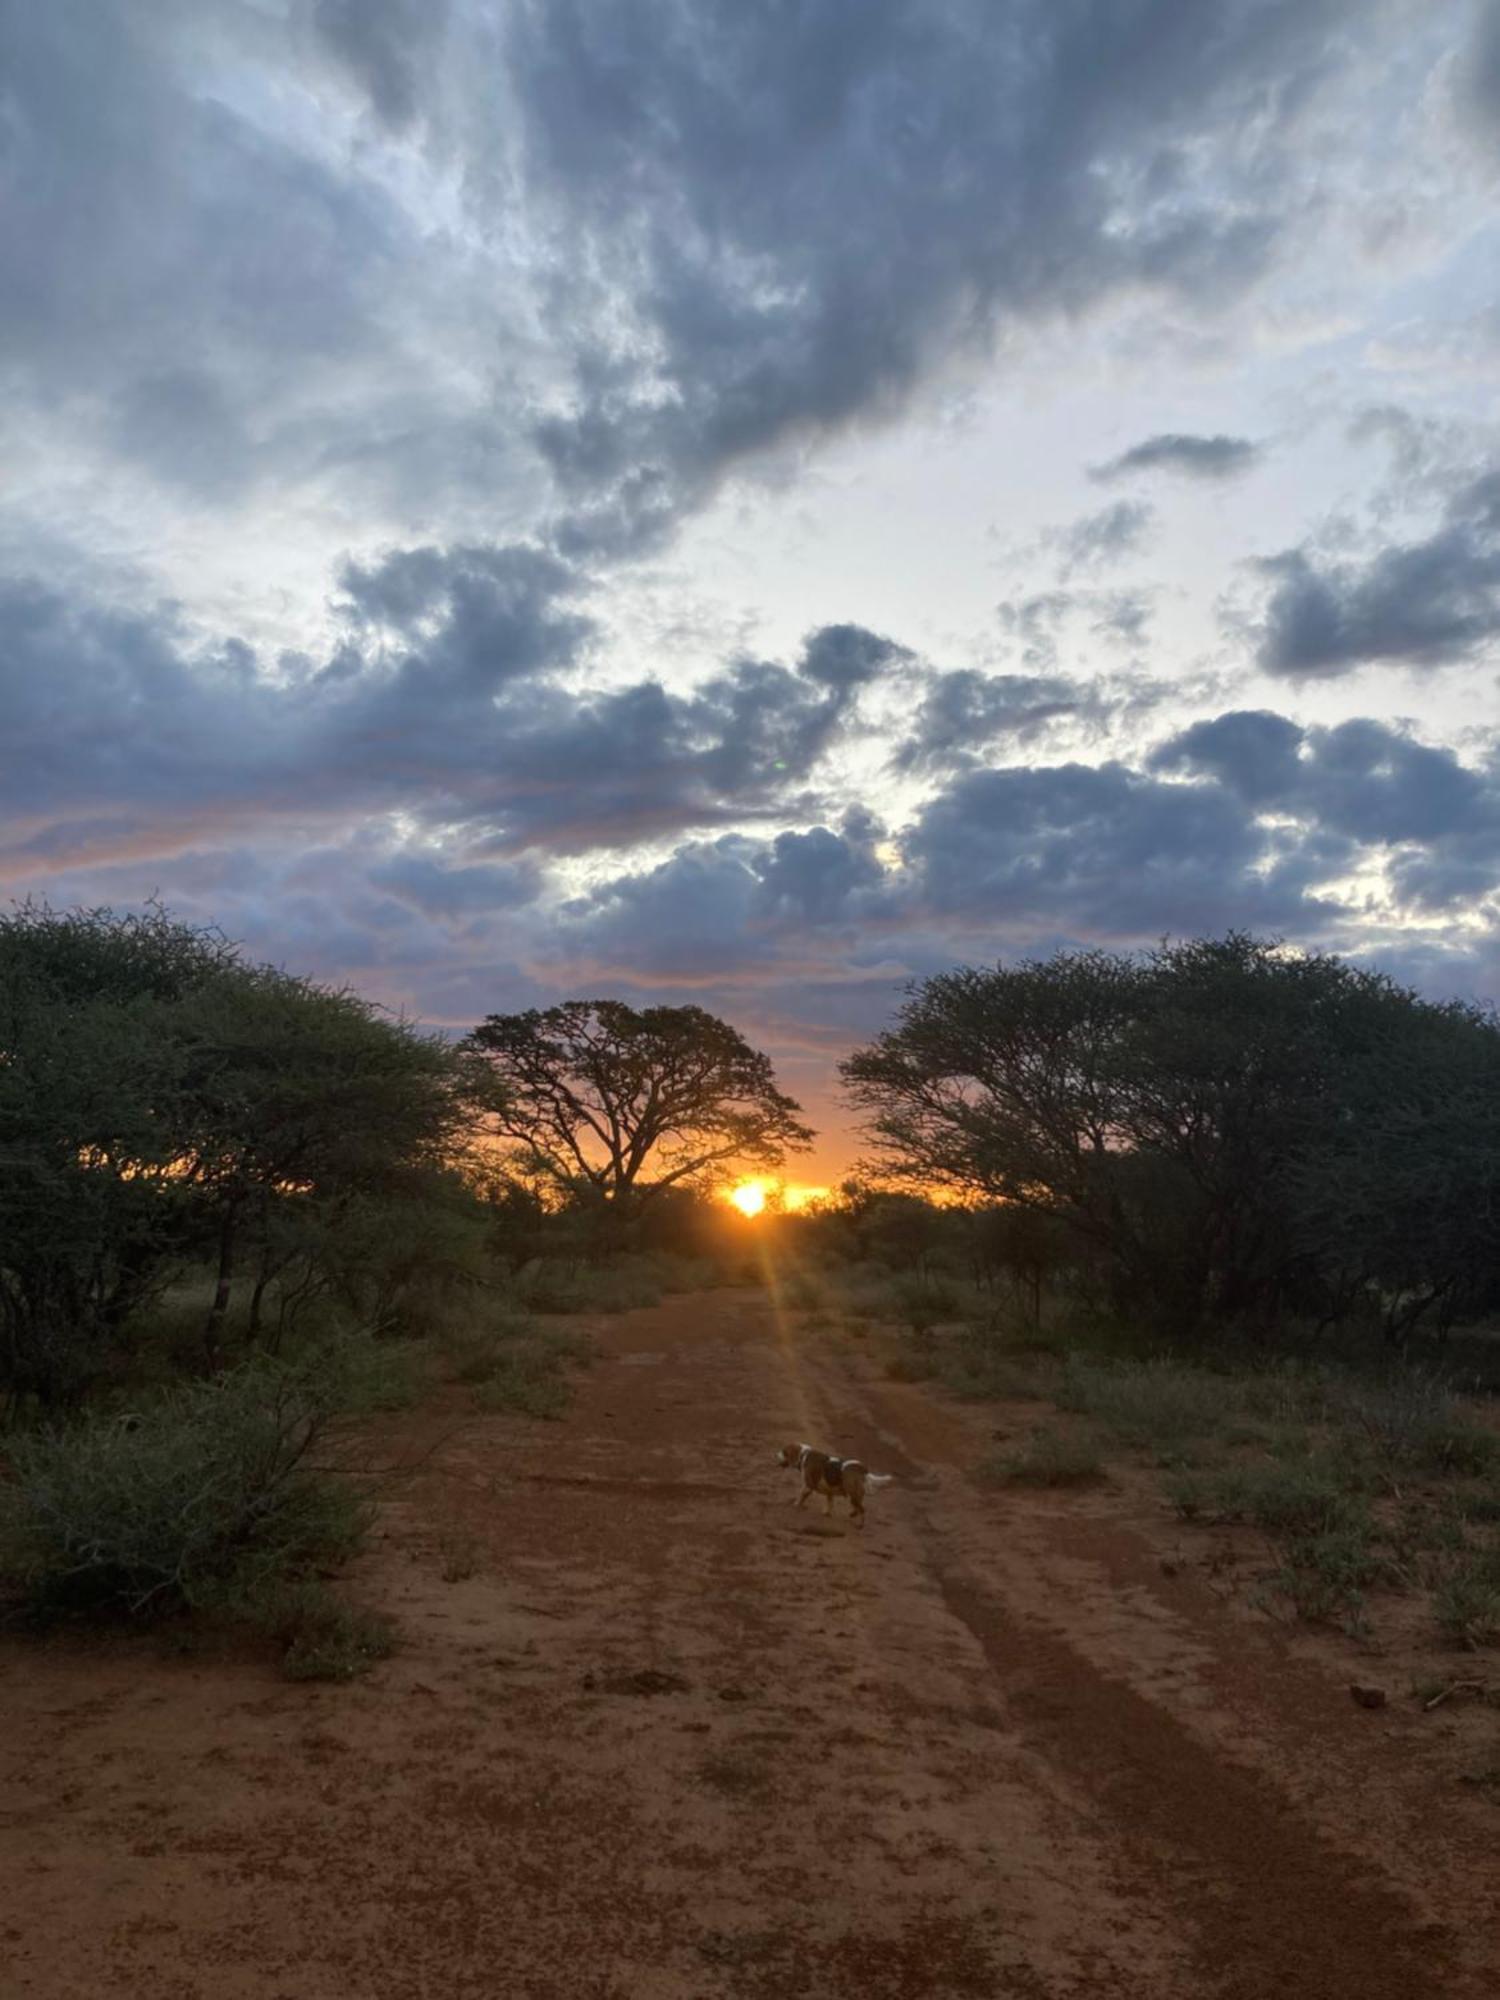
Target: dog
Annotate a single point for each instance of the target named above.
(832, 1476)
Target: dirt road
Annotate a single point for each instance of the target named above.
(672, 1740)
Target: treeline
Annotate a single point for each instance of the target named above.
(1218, 1134)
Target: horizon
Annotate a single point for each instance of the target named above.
(755, 508)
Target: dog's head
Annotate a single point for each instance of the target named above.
(790, 1454)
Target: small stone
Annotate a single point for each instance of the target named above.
(1366, 1697)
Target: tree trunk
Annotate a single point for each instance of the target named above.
(214, 1325)
(256, 1299)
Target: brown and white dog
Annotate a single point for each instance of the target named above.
(830, 1477)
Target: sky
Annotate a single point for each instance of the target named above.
(753, 502)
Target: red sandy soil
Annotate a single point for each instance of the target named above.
(674, 1740)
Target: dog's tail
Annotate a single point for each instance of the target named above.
(879, 1478)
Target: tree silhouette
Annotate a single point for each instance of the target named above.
(618, 1104)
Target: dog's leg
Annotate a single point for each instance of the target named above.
(827, 1505)
(802, 1496)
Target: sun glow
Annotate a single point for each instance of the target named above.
(749, 1197)
(755, 1197)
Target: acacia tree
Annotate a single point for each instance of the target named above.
(616, 1104)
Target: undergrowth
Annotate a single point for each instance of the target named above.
(213, 1497)
(1360, 1481)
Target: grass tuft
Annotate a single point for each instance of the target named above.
(513, 1364)
(322, 1637)
(1048, 1458)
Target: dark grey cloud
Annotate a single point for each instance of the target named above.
(468, 617)
(847, 656)
(1254, 752)
(733, 904)
(1435, 819)
(1217, 457)
(963, 714)
(783, 218)
(691, 917)
(1102, 851)
(610, 768)
(816, 876)
(1433, 602)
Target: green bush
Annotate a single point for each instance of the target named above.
(927, 1302)
(866, 1290)
(1048, 1458)
(527, 1383)
(526, 1371)
(1160, 1406)
(513, 1364)
(382, 1375)
(1414, 1423)
(475, 1346)
(205, 1493)
(677, 1273)
(979, 1368)
(1325, 1575)
(915, 1359)
(1300, 1498)
(804, 1293)
(1467, 1605)
(620, 1285)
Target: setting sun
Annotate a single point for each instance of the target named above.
(749, 1197)
(755, 1197)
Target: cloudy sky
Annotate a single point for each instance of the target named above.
(753, 500)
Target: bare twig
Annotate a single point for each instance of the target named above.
(1454, 1687)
